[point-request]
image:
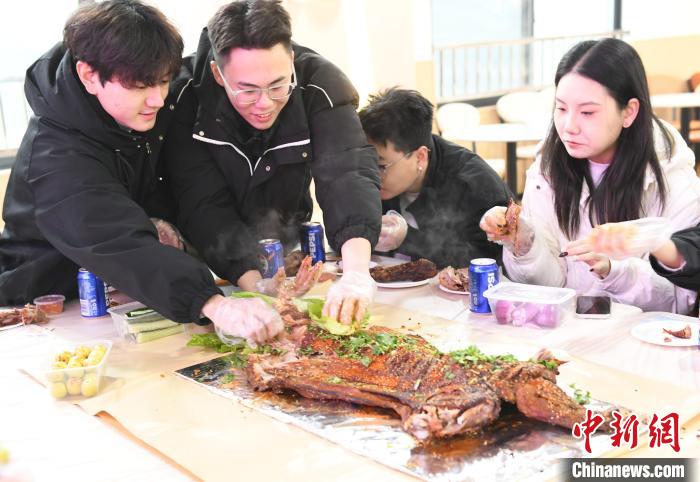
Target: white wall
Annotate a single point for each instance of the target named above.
(647, 19)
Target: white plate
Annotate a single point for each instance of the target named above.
(652, 332)
(339, 264)
(454, 292)
(404, 284)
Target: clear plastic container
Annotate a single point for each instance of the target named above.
(137, 323)
(76, 381)
(50, 304)
(530, 305)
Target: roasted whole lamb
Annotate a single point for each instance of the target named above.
(435, 394)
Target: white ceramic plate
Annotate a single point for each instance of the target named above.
(372, 264)
(454, 292)
(653, 332)
(404, 284)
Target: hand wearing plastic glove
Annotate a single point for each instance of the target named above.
(624, 240)
(249, 318)
(348, 299)
(508, 228)
(168, 234)
(279, 285)
(394, 230)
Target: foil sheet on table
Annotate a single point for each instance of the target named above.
(513, 448)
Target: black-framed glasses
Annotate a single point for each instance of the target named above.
(251, 96)
(384, 167)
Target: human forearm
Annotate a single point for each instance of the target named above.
(668, 255)
(249, 280)
(356, 253)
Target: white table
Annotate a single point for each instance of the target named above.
(57, 441)
(510, 134)
(685, 101)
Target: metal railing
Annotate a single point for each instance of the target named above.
(488, 69)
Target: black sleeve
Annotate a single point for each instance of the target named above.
(207, 211)
(88, 216)
(688, 243)
(345, 166)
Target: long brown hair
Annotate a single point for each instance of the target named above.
(618, 197)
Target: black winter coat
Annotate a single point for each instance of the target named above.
(236, 185)
(80, 195)
(459, 188)
(688, 243)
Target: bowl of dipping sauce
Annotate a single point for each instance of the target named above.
(50, 304)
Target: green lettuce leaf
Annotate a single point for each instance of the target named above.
(314, 306)
(250, 294)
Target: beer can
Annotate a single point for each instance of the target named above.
(93, 294)
(483, 274)
(271, 257)
(312, 241)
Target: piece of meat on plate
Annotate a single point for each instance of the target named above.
(414, 271)
(454, 279)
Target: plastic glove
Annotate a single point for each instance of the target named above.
(394, 230)
(249, 318)
(349, 298)
(517, 240)
(168, 234)
(305, 279)
(626, 239)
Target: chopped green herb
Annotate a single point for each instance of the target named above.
(581, 397)
(306, 351)
(450, 375)
(335, 380)
(228, 378)
(472, 355)
(361, 344)
(549, 364)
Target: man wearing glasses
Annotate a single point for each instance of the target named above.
(433, 192)
(257, 118)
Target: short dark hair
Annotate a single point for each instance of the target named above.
(249, 24)
(401, 116)
(614, 64)
(124, 40)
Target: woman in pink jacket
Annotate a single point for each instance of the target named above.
(607, 158)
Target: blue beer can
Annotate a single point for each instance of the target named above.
(271, 257)
(312, 241)
(93, 294)
(483, 274)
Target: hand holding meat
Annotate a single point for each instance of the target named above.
(509, 227)
(306, 277)
(168, 234)
(394, 229)
(249, 318)
(348, 299)
(626, 239)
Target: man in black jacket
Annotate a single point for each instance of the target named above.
(85, 180)
(433, 192)
(257, 118)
